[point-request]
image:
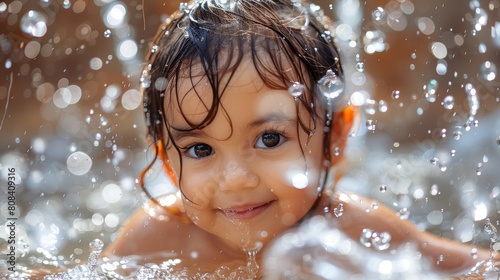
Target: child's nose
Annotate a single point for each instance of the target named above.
(235, 174)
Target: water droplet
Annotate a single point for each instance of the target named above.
(395, 94)
(370, 107)
(375, 41)
(34, 23)
(473, 253)
(439, 50)
(467, 125)
(488, 70)
(430, 91)
(383, 188)
(145, 79)
(360, 66)
(472, 99)
(457, 133)
(104, 121)
(382, 106)
(434, 161)
(481, 18)
(8, 64)
(435, 217)
(381, 241)
(403, 214)
(496, 246)
(442, 67)
(66, 4)
(161, 84)
(442, 133)
(365, 238)
(79, 163)
(485, 159)
(336, 151)
(482, 48)
(378, 14)
(183, 7)
(491, 230)
(331, 86)
(339, 210)
(449, 102)
(479, 170)
(370, 125)
(296, 89)
(154, 49)
(107, 33)
(226, 4)
(434, 190)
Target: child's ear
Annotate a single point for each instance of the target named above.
(339, 132)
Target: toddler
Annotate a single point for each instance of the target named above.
(245, 106)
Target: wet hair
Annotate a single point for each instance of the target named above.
(288, 41)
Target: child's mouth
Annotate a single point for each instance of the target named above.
(245, 212)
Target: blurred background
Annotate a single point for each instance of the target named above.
(424, 74)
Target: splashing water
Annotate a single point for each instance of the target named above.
(84, 271)
(252, 266)
(379, 240)
(491, 230)
(34, 22)
(317, 250)
(129, 268)
(488, 268)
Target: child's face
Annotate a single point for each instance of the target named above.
(238, 173)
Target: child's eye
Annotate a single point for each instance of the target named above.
(270, 140)
(200, 151)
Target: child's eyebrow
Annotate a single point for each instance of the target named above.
(179, 134)
(272, 117)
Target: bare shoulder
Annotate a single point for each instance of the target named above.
(144, 235)
(157, 240)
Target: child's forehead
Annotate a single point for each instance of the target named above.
(244, 91)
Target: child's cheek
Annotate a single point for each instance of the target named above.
(198, 188)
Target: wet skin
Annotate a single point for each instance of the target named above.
(237, 182)
(237, 172)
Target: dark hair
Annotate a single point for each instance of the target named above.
(287, 40)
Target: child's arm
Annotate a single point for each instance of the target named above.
(447, 256)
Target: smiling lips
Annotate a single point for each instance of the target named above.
(245, 212)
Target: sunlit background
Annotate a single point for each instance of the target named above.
(424, 74)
